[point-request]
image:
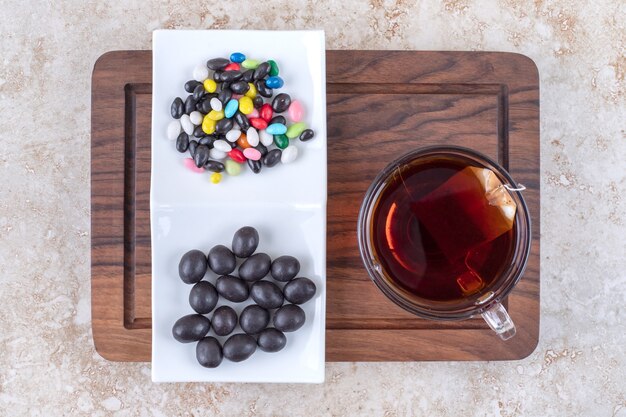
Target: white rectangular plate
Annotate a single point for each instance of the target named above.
(286, 203)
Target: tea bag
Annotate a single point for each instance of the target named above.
(471, 208)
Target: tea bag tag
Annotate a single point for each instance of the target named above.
(497, 194)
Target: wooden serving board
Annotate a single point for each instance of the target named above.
(381, 104)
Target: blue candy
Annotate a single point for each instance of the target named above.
(274, 82)
(231, 108)
(276, 129)
(237, 57)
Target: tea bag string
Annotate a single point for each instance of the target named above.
(520, 187)
(496, 196)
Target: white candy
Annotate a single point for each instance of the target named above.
(221, 145)
(289, 154)
(216, 104)
(173, 130)
(200, 73)
(185, 122)
(196, 118)
(232, 135)
(253, 136)
(266, 138)
(217, 154)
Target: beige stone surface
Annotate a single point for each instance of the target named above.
(47, 361)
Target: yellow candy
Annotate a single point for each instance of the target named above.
(216, 177)
(210, 85)
(216, 115)
(245, 105)
(208, 125)
(252, 91)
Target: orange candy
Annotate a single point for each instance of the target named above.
(243, 141)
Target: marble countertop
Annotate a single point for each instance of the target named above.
(48, 365)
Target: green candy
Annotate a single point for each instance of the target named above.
(295, 129)
(273, 67)
(232, 167)
(250, 64)
(282, 141)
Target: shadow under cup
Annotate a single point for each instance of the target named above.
(487, 300)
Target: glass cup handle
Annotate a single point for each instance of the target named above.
(500, 322)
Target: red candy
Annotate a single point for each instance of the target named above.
(266, 112)
(258, 123)
(233, 66)
(237, 156)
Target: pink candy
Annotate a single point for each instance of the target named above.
(252, 154)
(296, 112)
(191, 165)
(254, 114)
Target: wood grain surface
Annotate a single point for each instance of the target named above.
(381, 104)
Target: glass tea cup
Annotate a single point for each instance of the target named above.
(428, 249)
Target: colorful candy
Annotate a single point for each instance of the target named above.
(210, 86)
(173, 130)
(191, 165)
(216, 177)
(237, 156)
(290, 153)
(231, 108)
(196, 118)
(266, 112)
(237, 57)
(233, 134)
(222, 145)
(276, 129)
(250, 64)
(252, 154)
(245, 105)
(253, 114)
(200, 73)
(217, 154)
(232, 167)
(208, 125)
(296, 112)
(258, 123)
(251, 91)
(273, 67)
(253, 136)
(295, 130)
(216, 104)
(281, 141)
(185, 123)
(266, 138)
(216, 115)
(232, 67)
(274, 82)
(231, 115)
(242, 142)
